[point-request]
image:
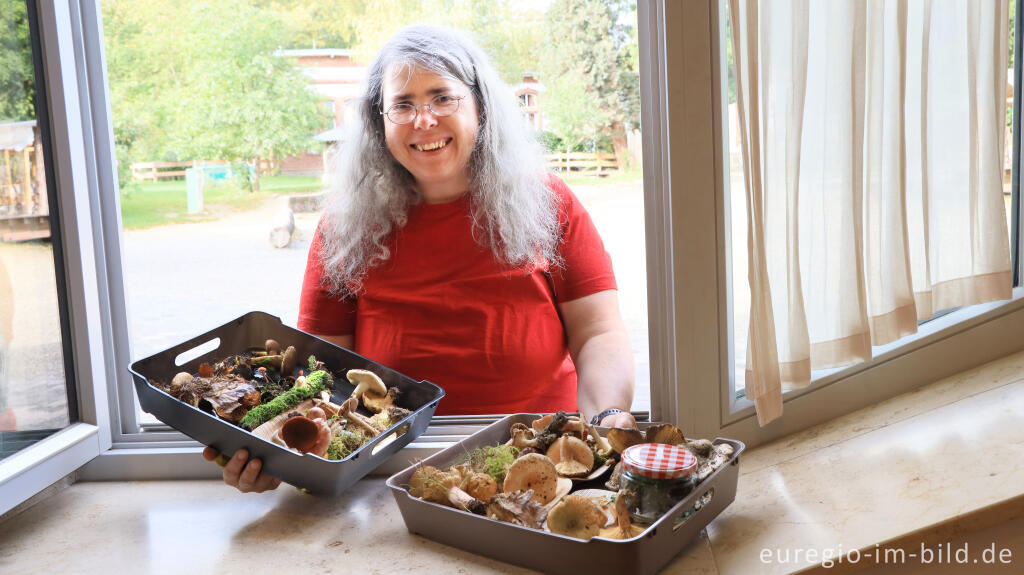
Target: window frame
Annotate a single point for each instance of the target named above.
(942, 347)
(687, 261)
(34, 468)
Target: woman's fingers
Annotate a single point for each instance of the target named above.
(242, 473)
(622, 420)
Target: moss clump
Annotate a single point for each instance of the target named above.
(344, 443)
(494, 460)
(317, 382)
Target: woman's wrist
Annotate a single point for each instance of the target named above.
(597, 419)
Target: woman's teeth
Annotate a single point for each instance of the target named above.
(430, 146)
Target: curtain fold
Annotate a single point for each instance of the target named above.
(872, 139)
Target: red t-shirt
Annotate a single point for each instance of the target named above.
(443, 308)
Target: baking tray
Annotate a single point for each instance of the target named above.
(316, 474)
(642, 555)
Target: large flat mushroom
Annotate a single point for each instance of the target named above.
(533, 471)
(572, 457)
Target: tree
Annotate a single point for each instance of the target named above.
(17, 79)
(594, 40)
(217, 88)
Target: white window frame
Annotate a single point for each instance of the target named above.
(686, 231)
(34, 468)
(701, 332)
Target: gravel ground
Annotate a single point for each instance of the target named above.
(181, 280)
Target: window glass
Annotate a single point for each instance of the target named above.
(235, 94)
(33, 386)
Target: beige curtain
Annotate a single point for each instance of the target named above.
(872, 141)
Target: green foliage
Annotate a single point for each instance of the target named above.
(311, 362)
(17, 80)
(214, 89)
(344, 443)
(591, 68)
(492, 460)
(265, 412)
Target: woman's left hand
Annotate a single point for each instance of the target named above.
(622, 420)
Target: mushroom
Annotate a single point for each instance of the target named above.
(284, 362)
(431, 484)
(717, 458)
(523, 438)
(700, 447)
(348, 411)
(381, 403)
(479, 485)
(604, 449)
(518, 508)
(620, 439)
(665, 433)
(272, 347)
(571, 456)
(367, 383)
(576, 516)
(179, 380)
(306, 435)
(535, 472)
(623, 528)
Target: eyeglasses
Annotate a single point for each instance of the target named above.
(442, 105)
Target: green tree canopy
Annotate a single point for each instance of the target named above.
(17, 80)
(216, 88)
(591, 45)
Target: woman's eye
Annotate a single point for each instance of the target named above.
(443, 99)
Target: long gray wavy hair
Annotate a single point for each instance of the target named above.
(514, 212)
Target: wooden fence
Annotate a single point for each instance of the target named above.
(156, 171)
(583, 162)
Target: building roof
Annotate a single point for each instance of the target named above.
(17, 135)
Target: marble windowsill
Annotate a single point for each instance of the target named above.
(910, 465)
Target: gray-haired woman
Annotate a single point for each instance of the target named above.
(447, 253)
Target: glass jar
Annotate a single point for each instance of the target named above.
(655, 477)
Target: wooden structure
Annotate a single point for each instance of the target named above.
(158, 171)
(24, 206)
(584, 163)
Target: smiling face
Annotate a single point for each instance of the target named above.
(435, 149)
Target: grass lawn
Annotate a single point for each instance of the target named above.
(150, 204)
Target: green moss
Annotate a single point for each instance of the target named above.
(494, 460)
(344, 443)
(318, 381)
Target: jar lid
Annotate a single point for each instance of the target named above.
(658, 461)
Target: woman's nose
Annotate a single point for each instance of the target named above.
(425, 118)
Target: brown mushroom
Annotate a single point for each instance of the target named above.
(272, 347)
(348, 411)
(535, 472)
(620, 439)
(623, 528)
(479, 485)
(571, 456)
(179, 380)
(576, 516)
(432, 484)
(518, 508)
(284, 362)
(665, 433)
(306, 435)
(523, 438)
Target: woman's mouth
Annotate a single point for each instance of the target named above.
(431, 146)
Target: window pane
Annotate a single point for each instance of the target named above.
(241, 80)
(934, 222)
(33, 387)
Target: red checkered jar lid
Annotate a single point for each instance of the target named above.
(658, 461)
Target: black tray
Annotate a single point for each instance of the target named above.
(311, 472)
(549, 552)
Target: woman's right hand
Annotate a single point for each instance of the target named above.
(242, 473)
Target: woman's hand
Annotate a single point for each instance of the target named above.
(242, 473)
(622, 420)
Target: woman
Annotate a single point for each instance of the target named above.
(446, 253)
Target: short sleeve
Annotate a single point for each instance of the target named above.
(320, 312)
(587, 267)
